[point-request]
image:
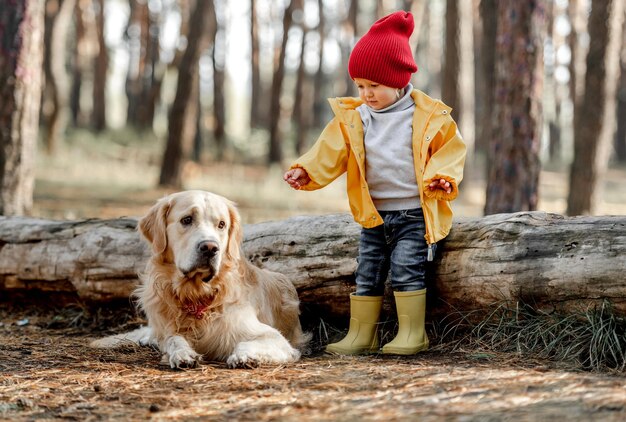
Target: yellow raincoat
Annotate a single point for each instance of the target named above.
(438, 153)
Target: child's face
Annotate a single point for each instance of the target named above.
(375, 95)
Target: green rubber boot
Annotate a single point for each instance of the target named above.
(411, 337)
(362, 335)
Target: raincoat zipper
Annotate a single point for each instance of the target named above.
(429, 230)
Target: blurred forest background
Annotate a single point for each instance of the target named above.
(105, 105)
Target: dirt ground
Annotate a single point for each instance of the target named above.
(48, 372)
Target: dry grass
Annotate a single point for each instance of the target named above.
(49, 373)
(593, 339)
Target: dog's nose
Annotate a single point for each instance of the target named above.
(208, 248)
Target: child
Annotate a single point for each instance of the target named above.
(404, 160)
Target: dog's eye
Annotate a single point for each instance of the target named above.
(221, 224)
(185, 221)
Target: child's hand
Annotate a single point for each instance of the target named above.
(297, 177)
(441, 184)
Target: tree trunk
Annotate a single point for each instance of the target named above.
(59, 16)
(319, 83)
(434, 48)
(546, 260)
(101, 66)
(78, 53)
(578, 20)
(352, 31)
(418, 9)
(595, 123)
(255, 100)
(553, 86)
(467, 83)
(154, 78)
(485, 69)
(275, 154)
(302, 107)
(135, 33)
(551, 109)
(219, 105)
(513, 178)
(450, 82)
(179, 137)
(145, 70)
(21, 42)
(457, 80)
(620, 136)
(193, 123)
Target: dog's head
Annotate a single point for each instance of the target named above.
(197, 232)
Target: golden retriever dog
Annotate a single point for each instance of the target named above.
(202, 298)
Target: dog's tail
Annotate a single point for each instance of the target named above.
(142, 336)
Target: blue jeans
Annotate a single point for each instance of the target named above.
(397, 244)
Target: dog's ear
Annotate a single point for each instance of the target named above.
(235, 234)
(153, 225)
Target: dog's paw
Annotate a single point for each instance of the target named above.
(183, 359)
(251, 354)
(179, 353)
(236, 361)
(148, 341)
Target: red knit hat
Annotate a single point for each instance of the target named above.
(383, 54)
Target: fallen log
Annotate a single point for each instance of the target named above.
(545, 260)
(93, 260)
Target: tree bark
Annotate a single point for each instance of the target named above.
(58, 18)
(595, 122)
(302, 107)
(275, 154)
(552, 262)
(219, 78)
(179, 137)
(467, 83)
(255, 100)
(451, 70)
(513, 179)
(486, 74)
(578, 21)
(620, 135)
(21, 57)
(77, 65)
(434, 46)
(552, 86)
(458, 74)
(319, 82)
(142, 50)
(351, 32)
(100, 69)
(192, 136)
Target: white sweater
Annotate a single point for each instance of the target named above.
(389, 168)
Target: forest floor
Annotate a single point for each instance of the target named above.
(47, 372)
